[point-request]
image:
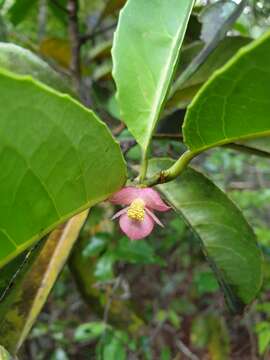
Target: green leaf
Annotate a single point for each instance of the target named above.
(145, 54)
(23, 302)
(217, 18)
(223, 52)
(113, 346)
(58, 159)
(137, 252)
(263, 333)
(57, 10)
(95, 246)
(206, 283)
(20, 9)
(59, 354)
(234, 104)
(90, 331)
(23, 62)
(228, 241)
(104, 267)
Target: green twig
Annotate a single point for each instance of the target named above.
(144, 165)
(171, 173)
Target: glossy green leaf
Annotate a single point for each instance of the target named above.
(145, 54)
(23, 62)
(234, 104)
(227, 240)
(57, 159)
(23, 302)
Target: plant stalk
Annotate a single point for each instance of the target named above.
(171, 173)
(144, 165)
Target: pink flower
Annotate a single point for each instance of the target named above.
(137, 219)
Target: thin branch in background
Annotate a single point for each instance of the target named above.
(74, 36)
(42, 19)
(126, 145)
(92, 35)
(82, 88)
(168, 136)
(185, 350)
(252, 339)
(99, 19)
(116, 285)
(118, 129)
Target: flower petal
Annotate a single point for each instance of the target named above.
(125, 196)
(152, 199)
(153, 216)
(119, 213)
(136, 230)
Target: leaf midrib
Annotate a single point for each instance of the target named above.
(171, 64)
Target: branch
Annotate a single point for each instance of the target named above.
(92, 35)
(42, 19)
(126, 145)
(74, 36)
(185, 350)
(168, 136)
(171, 173)
(179, 166)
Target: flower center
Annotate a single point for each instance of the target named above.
(136, 210)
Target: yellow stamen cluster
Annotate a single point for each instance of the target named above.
(136, 210)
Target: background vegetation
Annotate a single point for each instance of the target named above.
(155, 298)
